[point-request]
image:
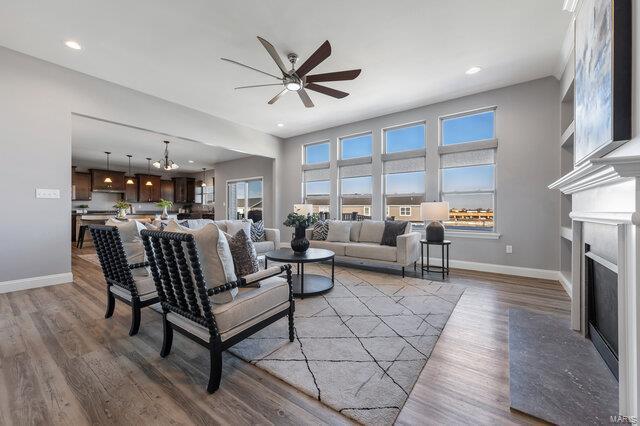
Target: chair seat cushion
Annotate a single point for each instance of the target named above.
(372, 251)
(337, 248)
(250, 306)
(145, 286)
(263, 246)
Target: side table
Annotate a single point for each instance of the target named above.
(444, 269)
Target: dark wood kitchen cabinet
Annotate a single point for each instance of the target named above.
(184, 190)
(166, 190)
(81, 186)
(148, 193)
(131, 191)
(99, 185)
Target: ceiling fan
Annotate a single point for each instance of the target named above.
(297, 80)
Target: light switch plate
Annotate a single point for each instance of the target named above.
(509, 249)
(47, 193)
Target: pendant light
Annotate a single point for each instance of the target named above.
(165, 163)
(129, 180)
(108, 178)
(149, 183)
(204, 177)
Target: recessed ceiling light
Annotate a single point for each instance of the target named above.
(191, 161)
(473, 70)
(72, 44)
(280, 125)
(570, 5)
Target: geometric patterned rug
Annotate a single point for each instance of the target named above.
(360, 347)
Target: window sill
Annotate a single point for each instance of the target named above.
(471, 234)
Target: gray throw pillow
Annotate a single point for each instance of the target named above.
(392, 228)
(245, 259)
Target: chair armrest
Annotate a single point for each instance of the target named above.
(273, 235)
(408, 248)
(251, 278)
(139, 265)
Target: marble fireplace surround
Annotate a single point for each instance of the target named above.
(606, 191)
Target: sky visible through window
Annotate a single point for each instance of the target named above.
(468, 179)
(357, 146)
(405, 138)
(320, 187)
(318, 153)
(468, 128)
(405, 183)
(356, 185)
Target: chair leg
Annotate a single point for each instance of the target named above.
(80, 242)
(403, 272)
(135, 319)
(168, 337)
(111, 303)
(291, 310)
(215, 374)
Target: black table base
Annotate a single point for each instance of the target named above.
(305, 284)
(444, 269)
(313, 284)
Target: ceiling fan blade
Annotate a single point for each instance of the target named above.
(257, 85)
(326, 90)
(315, 59)
(276, 97)
(333, 76)
(251, 68)
(304, 97)
(274, 55)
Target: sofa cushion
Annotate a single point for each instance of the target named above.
(372, 251)
(320, 230)
(245, 259)
(144, 285)
(392, 228)
(263, 247)
(355, 231)
(371, 231)
(337, 248)
(339, 231)
(196, 223)
(233, 226)
(215, 257)
(252, 305)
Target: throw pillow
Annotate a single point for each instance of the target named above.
(371, 231)
(339, 231)
(129, 231)
(245, 258)
(320, 230)
(257, 231)
(215, 257)
(233, 226)
(392, 228)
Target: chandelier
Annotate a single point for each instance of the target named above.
(165, 163)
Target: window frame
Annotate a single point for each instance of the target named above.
(354, 135)
(386, 205)
(400, 126)
(304, 152)
(408, 213)
(340, 195)
(246, 188)
(465, 147)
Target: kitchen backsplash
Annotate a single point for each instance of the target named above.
(104, 201)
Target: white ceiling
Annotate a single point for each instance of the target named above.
(412, 52)
(91, 138)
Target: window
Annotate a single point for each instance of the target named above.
(468, 128)
(316, 153)
(244, 199)
(405, 211)
(405, 138)
(403, 193)
(317, 193)
(468, 171)
(355, 196)
(356, 146)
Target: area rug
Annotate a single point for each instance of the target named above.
(360, 347)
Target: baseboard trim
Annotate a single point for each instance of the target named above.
(566, 284)
(544, 274)
(35, 282)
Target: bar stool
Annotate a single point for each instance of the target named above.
(83, 229)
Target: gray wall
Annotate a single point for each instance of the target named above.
(245, 168)
(36, 106)
(527, 128)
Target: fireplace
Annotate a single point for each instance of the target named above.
(601, 283)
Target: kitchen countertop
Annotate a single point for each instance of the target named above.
(113, 212)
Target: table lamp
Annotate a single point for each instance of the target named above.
(435, 212)
(303, 209)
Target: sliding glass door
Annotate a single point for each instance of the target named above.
(244, 199)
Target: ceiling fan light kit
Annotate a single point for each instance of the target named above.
(297, 80)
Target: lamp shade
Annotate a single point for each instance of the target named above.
(434, 210)
(303, 209)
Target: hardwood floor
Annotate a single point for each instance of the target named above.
(61, 362)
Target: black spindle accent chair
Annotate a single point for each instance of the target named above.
(137, 292)
(187, 307)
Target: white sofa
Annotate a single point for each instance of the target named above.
(367, 248)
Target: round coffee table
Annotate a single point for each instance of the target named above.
(309, 284)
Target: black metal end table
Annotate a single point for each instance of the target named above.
(444, 269)
(305, 284)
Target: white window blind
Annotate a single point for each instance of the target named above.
(405, 165)
(468, 158)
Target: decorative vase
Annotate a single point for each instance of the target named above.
(122, 214)
(165, 214)
(299, 243)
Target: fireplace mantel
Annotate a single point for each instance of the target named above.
(598, 172)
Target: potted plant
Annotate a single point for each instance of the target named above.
(164, 205)
(82, 208)
(300, 223)
(122, 206)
